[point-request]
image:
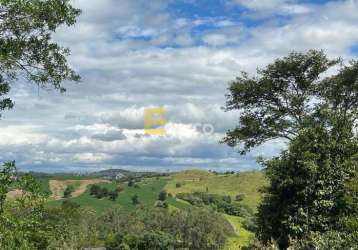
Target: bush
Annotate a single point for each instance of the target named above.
(162, 195)
(101, 193)
(68, 191)
(113, 195)
(135, 199)
(219, 202)
(331, 240)
(94, 189)
(249, 223)
(178, 185)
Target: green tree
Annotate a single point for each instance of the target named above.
(113, 195)
(68, 191)
(135, 199)
(162, 196)
(279, 101)
(94, 189)
(308, 182)
(27, 51)
(154, 228)
(26, 46)
(20, 219)
(131, 183)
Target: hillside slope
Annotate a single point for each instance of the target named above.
(246, 183)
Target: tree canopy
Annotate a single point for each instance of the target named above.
(285, 96)
(312, 183)
(27, 50)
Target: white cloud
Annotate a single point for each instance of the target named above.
(267, 7)
(99, 123)
(215, 39)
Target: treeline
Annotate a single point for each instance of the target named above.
(102, 192)
(219, 203)
(27, 224)
(163, 229)
(222, 204)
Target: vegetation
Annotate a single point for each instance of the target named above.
(219, 203)
(163, 229)
(247, 183)
(68, 191)
(135, 199)
(242, 236)
(309, 194)
(102, 192)
(162, 195)
(27, 47)
(306, 201)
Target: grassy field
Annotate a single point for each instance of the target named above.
(246, 183)
(147, 190)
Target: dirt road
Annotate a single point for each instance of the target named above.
(57, 187)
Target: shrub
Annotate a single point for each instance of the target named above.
(249, 223)
(135, 199)
(113, 195)
(68, 191)
(162, 195)
(94, 189)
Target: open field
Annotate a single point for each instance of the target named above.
(147, 190)
(246, 183)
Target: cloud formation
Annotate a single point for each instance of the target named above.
(176, 54)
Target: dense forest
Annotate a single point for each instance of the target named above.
(310, 198)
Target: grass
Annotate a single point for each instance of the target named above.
(242, 237)
(44, 184)
(147, 191)
(247, 183)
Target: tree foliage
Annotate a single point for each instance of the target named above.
(20, 218)
(26, 47)
(279, 101)
(313, 183)
(164, 229)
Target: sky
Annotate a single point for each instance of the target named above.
(177, 54)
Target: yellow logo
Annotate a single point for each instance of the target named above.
(154, 121)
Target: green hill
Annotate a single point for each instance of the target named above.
(245, 183)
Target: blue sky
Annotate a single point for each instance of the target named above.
(180, 55)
